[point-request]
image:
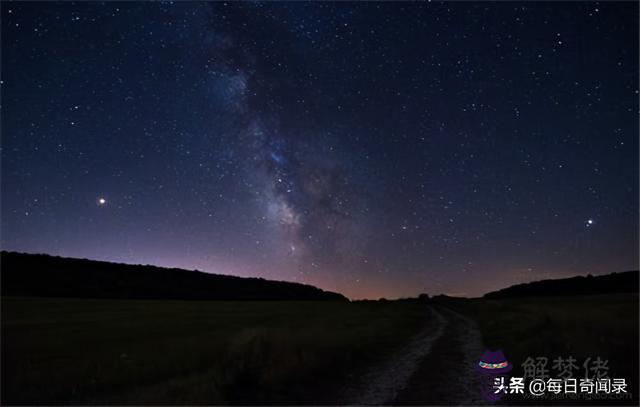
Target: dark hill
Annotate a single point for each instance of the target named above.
(44, 275)
(624, 282)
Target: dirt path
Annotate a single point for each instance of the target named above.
(447, 376)
(435, 368)
(383, 382)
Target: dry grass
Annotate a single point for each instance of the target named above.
(134, 352)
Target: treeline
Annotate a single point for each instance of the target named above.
(624, 282)
(43, 275)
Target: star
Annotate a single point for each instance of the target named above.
(261, 162)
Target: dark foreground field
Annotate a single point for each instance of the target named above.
(188, 352)
(218, 352)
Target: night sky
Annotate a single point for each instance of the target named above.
(375, 149)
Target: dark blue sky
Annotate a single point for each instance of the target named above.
(376, 149)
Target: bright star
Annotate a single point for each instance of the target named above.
(101, 201)
(589, 222)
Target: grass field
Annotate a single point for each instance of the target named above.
(176, 352)
(583, 327)
(83, 351)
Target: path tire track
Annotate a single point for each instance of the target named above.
(382, 383)
(464, 385)
(447, 375)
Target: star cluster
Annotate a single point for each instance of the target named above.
(375, 149)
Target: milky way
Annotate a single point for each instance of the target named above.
(376, 149)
